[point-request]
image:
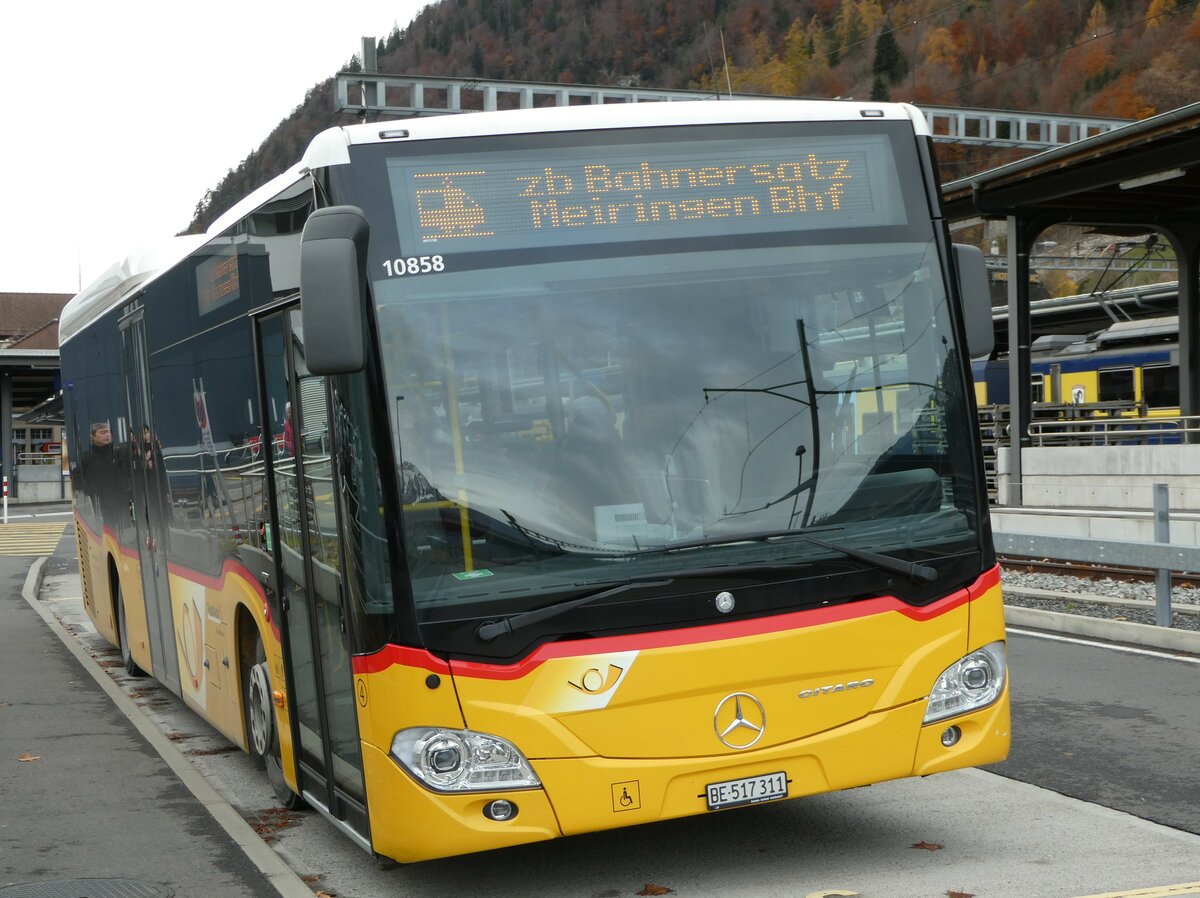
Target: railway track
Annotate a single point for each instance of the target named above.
(1093, 571)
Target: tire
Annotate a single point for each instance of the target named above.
(258, 709)
(262, 736)
(131, 666)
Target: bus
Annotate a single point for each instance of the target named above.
(498, 477)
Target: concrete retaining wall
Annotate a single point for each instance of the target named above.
(1102, 492)
(39, 483)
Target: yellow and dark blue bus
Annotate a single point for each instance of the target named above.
(498, 477)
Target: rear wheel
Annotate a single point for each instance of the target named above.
(131, 666)
(260, 714)
(262, 736)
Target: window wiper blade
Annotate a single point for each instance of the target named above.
(494, 629)
(920, 573)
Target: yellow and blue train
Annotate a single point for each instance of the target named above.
(1130, 368)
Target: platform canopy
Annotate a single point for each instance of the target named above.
(1142, 178)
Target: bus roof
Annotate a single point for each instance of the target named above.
(122, 279)
(331, 147)
(143, 266)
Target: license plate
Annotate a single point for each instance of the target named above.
(748, 790)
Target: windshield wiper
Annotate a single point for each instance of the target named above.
(495, 629)
(920, 573)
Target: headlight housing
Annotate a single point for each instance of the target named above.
(462, 760)
(973, 682)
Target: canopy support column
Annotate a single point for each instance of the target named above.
(1019, 343)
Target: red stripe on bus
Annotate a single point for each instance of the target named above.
(230, 567)
(796, 620)
(401, 655)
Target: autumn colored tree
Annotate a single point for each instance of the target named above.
(1159, 12)
(1125, 58)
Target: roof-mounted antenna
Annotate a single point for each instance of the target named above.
(725, 59)
(370, 66)
(712, 69)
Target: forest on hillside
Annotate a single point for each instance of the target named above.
(1118, 58)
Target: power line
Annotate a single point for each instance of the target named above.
(1094, 37)
(896, 28)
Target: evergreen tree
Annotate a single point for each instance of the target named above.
(890, 64)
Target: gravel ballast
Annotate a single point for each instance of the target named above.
(1102, 597)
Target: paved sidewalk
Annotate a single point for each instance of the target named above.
(84, 795)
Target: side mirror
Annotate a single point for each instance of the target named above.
(333, 262)
(976, 300)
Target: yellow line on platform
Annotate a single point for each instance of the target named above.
(30, 539)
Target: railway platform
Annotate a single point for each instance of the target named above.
(92, 806)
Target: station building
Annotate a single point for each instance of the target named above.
(31, 422)
(1094, 479)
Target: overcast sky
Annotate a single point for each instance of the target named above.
(118, 115)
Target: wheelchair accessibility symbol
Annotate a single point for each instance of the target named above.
(626, 796)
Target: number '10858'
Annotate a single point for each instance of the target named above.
(413, 265)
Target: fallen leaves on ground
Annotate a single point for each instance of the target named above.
(270, 820)
(205, 752)
(26, 756)
(954, 894)
(652, 889)
(929, 846)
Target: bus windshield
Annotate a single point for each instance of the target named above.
(618, 356)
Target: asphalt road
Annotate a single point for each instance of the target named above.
(1118, 728)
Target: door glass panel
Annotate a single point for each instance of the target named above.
(288, 545)
(151, 504)
(305, 542)
(312, 445)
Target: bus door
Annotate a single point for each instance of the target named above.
(304, 529)
(151, 498)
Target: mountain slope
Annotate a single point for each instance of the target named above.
(1120, 58)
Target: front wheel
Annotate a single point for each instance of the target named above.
(262, 736)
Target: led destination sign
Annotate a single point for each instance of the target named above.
(603, 194)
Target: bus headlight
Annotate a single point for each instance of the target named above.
(970, 683)
(462, 760)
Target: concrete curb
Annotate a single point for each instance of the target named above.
(1141, 635)
(285, 880)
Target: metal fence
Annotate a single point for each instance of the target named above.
(1113, 431)
(1161, 555)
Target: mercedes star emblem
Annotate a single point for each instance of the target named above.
(740, 720)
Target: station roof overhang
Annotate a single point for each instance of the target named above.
(47, 412)
(33, 375)
(1146, 173)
